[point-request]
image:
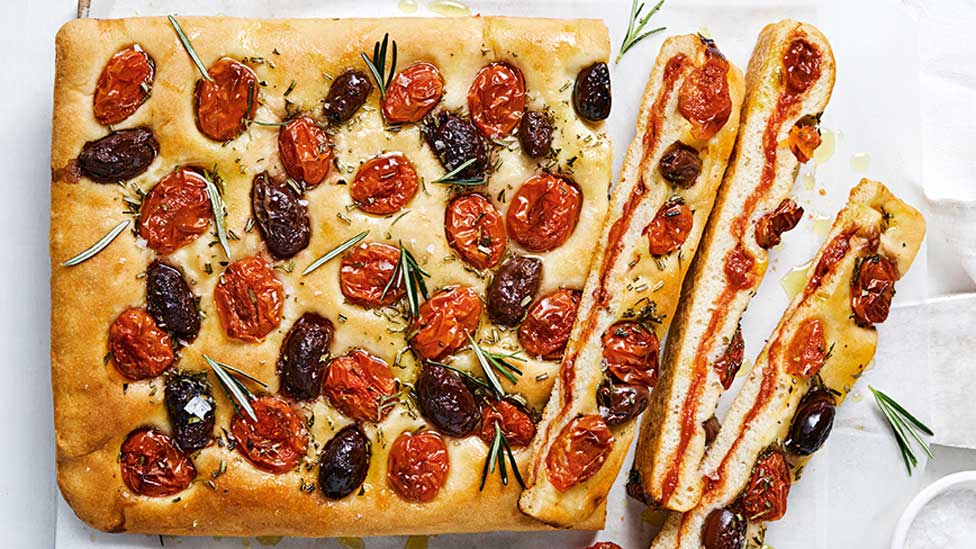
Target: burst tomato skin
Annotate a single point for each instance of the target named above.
(670, 228)
(547, 326)
(412, 93)
(496, 99)
(249, 299)
(365, 273)
(544, 212)
(516, 425)
(305, 150)
(704, 99)
(630, 352)
(807, 349)
(226, 104)
(873, 290)
(358, 384)
(153, 466)
(728, 365)
(604, 545)
(124, 85)
(384, 184)
(445, 322)
(765, 496)
(140, 348)
(277, 441)
(417, 466)
(578, 452)
(802, 63)
(804, 140)
(176, 211)
(475, 230)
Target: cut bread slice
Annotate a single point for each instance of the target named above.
(788, 83)
(689, 117)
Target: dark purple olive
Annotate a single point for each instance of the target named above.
(513, 289)
(303, 355)
(635, 487)
(280, 215)
(712, 427)
(348, 92)
(591, 94)
(344, 463)
(535, 134)
(680, 165)
(446, 401)
(724, 529)
(812, 422)
(190, 405)
(620, 403)
(455, 140)
(119, 156)
(170, 301)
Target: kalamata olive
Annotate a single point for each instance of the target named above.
(281, 217)
(455, 140)
(712, 427)
(635, 487)
(348, 92)
(535, 134)
(513, 289)
(303, 355)
(190, 405)
(680, 165)
(591, 94)
(812, 423)
(724, 529)
(119, 156)
(344, 463)
(620, 403)
(171, 302)
(446, 401)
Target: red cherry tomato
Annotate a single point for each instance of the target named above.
(516, 425)
(249, 299)
(807, 350)
(445, 322)
(670, 228)
(496, 99)
(764, 498)
(738, 267)
(366, 272)
(412, 93)
(578, 452)
(277, 441)
(360, 385)
(804, 140)
(770, 227)
(729, 363)
(124, 84)
(417, 466)
(547, 326)
(802, 64)
(630, 352)
(225, 104)
(873, 289)
(604, 545)
(140, 349)
(305, 149)
(384, 184)
(475, 230)
(704, 98)
(544, 212)
(152, 465)
(175, 211)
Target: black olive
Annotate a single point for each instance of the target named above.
(711, 426)
(513, 289)
(620, 403)
(812, 422)
(190, 405)
(348, 92)
(170, 301)
(724, 529)
(446, 401)
(635, 487)
(280, 215)
(301, 361)
(119, 156)
(344, 463)
(455, 140)
(591, 94)
(535, 134)
(680, 165)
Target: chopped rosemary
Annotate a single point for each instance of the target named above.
(236, 391)
(217, 205)
(903, 424)
(98, 246)
(496, 456)
(334, 252)
(377, 65)
(450, 178)
(189, 48)
(409, 273)
(495, 362)
(635, 26)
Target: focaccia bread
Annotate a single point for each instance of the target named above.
(242, 359)
(821, 346)
(788, 84)
(685, 131)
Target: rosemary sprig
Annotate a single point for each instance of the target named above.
(409, 273)
(377, 65)
(189, 48)
(495, 363)
(450, 178)
(334, 252)
(102, 243)
(238, 393)
(903, 424)
(635, 26)
(217, 205)
(496, 456)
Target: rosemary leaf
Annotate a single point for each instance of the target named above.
(334, 252)
(98, 246)
(189, 48)
(635, 27)
(237, 393)
(377, 64)
(217, 204)
(450, 178)
(905, 428)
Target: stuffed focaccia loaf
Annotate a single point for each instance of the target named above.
(788, 84)
(685, 131)
(820, 348)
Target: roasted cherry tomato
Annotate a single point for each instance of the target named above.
(496, 99)
(516, 425)
(802, 63)
(578, 452)
(384, 184)
(125, 83)
(301, 360)
(670, 227)
(249, 299)
(475, 230)
(724, 529)
(807, 350)
(277, 441)
(546, 327)
(604, 545)
(365, 275)
(872, 290)
(544, 212)
(417, 466)
(445, 322)
(175, 211)
(738, 267)
(305, 150)
(770, 227)
(804, 140)
(764, 498)
(630, 353)
(704, 98)
(360, 386)
(140, 349)
(226, 104)
(153, 466)
(412, 93)
(729, 363)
